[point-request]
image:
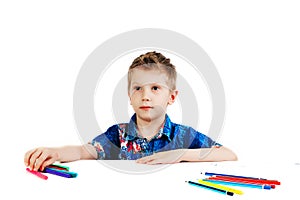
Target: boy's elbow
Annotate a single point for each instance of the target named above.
(234, 157)
(230, 155)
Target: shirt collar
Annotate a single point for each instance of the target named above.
(131, 131)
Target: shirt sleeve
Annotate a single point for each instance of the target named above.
(199, 140)
(107, 144)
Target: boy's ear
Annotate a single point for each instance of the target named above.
(173, 96)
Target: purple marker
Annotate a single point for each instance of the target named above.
(56, 172)
(216, 174)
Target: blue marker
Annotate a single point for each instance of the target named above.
(267, 187)
(59, 172)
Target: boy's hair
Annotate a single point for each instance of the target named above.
(154, 60)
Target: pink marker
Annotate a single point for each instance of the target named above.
(37, 174)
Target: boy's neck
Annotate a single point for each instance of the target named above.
(148, 129)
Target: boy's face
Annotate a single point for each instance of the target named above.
(149, 94)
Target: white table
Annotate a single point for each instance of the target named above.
(98, 179)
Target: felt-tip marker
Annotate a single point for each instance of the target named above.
(57, 172)
(245, 180)
(267, 187)
(229, 189)
(59, 167)
(210, 188)
(38, 174)
(235, 176)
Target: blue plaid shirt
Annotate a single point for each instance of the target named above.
(121, 141)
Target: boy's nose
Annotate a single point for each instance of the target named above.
(145, 95)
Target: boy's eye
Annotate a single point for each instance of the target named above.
(137, 88)
(155, 88)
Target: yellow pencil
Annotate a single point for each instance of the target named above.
(221, 187)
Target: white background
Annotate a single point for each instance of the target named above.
(255, 46)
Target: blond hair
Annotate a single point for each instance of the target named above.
(154, 60)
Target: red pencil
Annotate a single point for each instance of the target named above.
(245, 180)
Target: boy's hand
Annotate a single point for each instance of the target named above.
(39, 158)
(166, 157)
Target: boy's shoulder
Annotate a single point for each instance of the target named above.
(183, 127)
(177, 128)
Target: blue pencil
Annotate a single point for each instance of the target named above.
(267, 187)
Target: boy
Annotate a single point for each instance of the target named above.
(150, 137)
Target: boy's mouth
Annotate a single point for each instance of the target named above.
(146, 107)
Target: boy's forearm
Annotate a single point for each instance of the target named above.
(73, 153)
(209, 154)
